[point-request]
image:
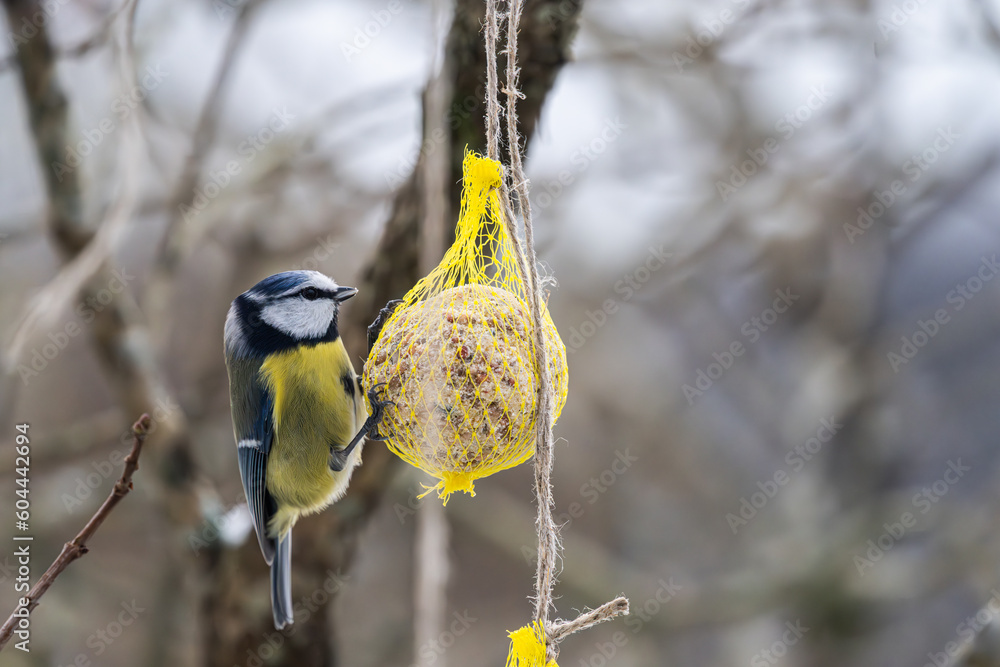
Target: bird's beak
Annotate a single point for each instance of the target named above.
(344, 293)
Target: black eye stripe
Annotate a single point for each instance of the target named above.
(310, 293)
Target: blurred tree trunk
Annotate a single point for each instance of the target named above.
(327, 543)
(118, 332)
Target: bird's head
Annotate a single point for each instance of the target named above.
(283, 311)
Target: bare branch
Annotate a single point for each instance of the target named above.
(85, 251)
(78, 547)
(431, 566)
(202, 140)
(99, 37)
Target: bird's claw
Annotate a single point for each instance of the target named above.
(338, 457)
(375, 328)
(378, 411)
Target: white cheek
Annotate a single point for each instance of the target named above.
(300, 318)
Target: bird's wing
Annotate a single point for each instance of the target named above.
(253, 410)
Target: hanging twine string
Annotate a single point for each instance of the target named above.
(539, 643)
(548, 537)
(492, 105)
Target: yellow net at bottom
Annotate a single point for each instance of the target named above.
(527, 648)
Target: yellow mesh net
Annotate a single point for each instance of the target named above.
(458, 357)
(527, 647)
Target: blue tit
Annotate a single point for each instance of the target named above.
(297, 410)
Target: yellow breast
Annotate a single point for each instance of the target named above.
(312, 411)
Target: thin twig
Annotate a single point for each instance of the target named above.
(203, 139)
(99, 37)
(78, 547)
(435, 167)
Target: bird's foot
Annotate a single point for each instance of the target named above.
(338, 457)
(375, 328)
(378, 411)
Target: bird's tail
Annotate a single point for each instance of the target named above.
(281, 582)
